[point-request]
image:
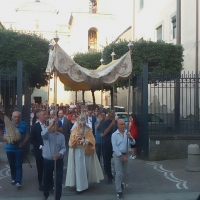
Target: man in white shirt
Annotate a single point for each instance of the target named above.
(120, 140)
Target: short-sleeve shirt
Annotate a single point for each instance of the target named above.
(106, 124)
(98, 131)
(23, 129)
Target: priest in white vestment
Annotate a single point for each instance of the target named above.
(83, 164)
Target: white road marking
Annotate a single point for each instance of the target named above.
(5, 172)
(181, 184)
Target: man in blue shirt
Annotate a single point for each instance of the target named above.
(109, 127)
(99, 140)
(14, 151)
(52, 154)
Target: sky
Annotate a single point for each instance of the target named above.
(65, 7)
(7, 8)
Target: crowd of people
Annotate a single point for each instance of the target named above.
(82, 138)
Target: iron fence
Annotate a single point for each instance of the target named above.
(8, 96)
(173, 103)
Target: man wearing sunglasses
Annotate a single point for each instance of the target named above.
(120, 140)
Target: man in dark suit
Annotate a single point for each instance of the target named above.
(37, 142)
(66, 129)
(91, 119)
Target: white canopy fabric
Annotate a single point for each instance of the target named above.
(80, 78)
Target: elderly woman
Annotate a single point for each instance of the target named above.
(83, 164)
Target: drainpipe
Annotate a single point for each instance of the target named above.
(177, 80)
(178, 19)
(196, 64)
(133, 22)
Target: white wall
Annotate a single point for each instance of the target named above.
(160, 12)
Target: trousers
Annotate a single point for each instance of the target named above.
(15, 160)
(120, 169)
(108, 157)
(48, 175)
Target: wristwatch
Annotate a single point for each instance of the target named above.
(60, 155)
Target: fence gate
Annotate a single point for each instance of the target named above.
(166, 105)
(8, 94)
(8, 91)
(140, 108)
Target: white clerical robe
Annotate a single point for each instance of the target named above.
(82, 169)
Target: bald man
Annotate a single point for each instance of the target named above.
(120, 140)
(14, 151)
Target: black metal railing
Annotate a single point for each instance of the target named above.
(164, 103)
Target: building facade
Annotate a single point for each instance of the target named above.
(157, 20)
(82, 26)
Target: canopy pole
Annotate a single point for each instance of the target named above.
(56, 124)
(101, 94)
(113, 100)
(128, 110)
(127, 128)
(48, 88)
(130, 46)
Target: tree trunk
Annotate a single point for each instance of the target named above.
(111, 99)
(93, 97)
(83, 96)
(75, 97)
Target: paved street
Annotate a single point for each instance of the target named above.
(160, 180)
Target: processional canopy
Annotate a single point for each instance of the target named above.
(80, 78)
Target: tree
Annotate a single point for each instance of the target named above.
(160, 57)
(89, 61)
(31, 49)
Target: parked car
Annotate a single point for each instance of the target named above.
(86, 102)
(116, 108)
(187, 125)
(124, 116)
(157, 124)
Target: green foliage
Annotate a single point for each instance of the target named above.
(161, 57)
(31, 49)
(120, 49)
(88, 60)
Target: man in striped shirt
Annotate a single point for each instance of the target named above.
(14, 151)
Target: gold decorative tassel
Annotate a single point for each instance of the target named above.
(12, 134)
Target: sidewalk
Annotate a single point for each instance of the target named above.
(157, 196)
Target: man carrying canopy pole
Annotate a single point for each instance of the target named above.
(120, 140)
(50, 135)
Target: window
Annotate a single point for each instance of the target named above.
(141, 4)
(174, 27)
(92, 40)
(93, 6)
(159, 33)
